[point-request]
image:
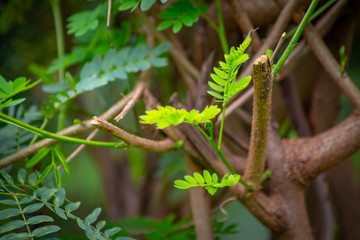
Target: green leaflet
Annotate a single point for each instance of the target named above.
(166, 116)
(84, 21)
(224, 76)
(182, 12)
(208, 181)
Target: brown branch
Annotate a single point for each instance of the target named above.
(200, 207)
(138, 91)
(263, 80)
(69, 131)
(315, 155)
(244, 23)
(331, 65)
(132, 140)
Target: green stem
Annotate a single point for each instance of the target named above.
(42, 133)
(22, 214)
(222, 157)
(43, 125)
(314, 16)
(295, 38)
(55, 5)
(211, 22)
(221, 28)
(221, 126)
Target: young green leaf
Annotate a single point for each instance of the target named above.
(190, 179)
(181, 184)
(72, 206)
(16, 236)
(43, 175)
(182, 12)
(12, 225)
(39, 219)
(42, 231)
(8, 213)
(166, 116)
(33, 207)
(60, 213)
(37, 157)
(21, 175)
(224, 77)
(199, 178)
(91, 218)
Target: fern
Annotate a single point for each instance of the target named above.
(182, 12)
(23, 200)
(115, 65)
(166, 116)
(208, 181)
(224, 77)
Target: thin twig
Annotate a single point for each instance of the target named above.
(80, 148)
(243, 21)
(302, 50)
(329, 62)
(280, 42)
(132, 140)
(108, 24)
(138, 91)
(263, 80)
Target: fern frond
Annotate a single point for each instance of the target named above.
(208, 181)
(224, 77)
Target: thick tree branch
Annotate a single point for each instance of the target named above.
(263, 80)
(315, 155)
(132, 140)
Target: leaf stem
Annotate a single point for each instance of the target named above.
(22, 214)
(45, 134)
(314, 16)
(55, 6)
(222, 157)
(222, 126)
(295, 38)
(221, 28)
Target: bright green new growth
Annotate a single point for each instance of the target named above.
(166, 116)
(224, 77)
(208, 181)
